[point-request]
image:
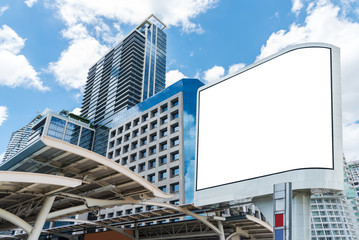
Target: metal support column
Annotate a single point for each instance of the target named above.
(137, 234)
(41, 218)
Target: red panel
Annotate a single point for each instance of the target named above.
(279, 220)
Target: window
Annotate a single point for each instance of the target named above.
(163, 146)
(174, 102)
(143, 154)
(175, 202)
(133, 157)
(112, 144)
(154, 113)
(110, 215)
(174, 156)
(135, 133)
(128, 126)
(174, 115)
(149, 208)
(143, 141)
(118, 152)
(136, 122)
(175, 128)
(124, 161)
(129, 211)
(174, 171)
(120, 130)
(139, 209)
(144, 129)
(133, 169)
(118, 141)
(164, 107)
(164, 120)
(102, 216)
(174, 141)
(153, 150)
(153, 124)
(134, 145)
(141, 167)
(145, 118)
(127, 137)
(164, 132)
(151, 178)
(162, 175)
(119, 213)
(110, 155)
(113, 133)
(126, 148)
(163, 188)
(153, 137)
(163, 160)
(174, 187)
(151, 164)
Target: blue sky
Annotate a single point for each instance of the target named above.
(46, 47)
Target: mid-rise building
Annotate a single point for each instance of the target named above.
(129, 73)
(156, 139)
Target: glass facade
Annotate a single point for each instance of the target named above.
(56, 128)
(65, 129)
(131, 72)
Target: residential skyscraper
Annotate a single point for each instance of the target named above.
(131, 72)
(19, 139)
(335, 216)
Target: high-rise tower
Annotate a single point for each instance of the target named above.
(131, 72)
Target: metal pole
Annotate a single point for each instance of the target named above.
(41, 218)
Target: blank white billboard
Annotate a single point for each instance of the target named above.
(271, 118)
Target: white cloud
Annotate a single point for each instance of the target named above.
(10, 41)
(235, 67)
(214, 74)
(324, 23)
(71, 68)
(3, 9)
(76, 111)
(3, 115)
(297, 6)
(14, 68)
(95, 26)
(29, 3)
(173, 76)
(172, 13)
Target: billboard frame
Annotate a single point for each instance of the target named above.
(215, 194)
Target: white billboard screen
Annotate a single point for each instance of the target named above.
(271, 118)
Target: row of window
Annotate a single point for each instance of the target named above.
(174, 156)
(144, 129)
(162, 146)
(326, 206)
(143, 141)
(145, 117)
(331, 238)
(162, 175)
(330, 233)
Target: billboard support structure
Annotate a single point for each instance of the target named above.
(278, 120)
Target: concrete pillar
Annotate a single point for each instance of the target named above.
(301, 216)
(41, 218)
